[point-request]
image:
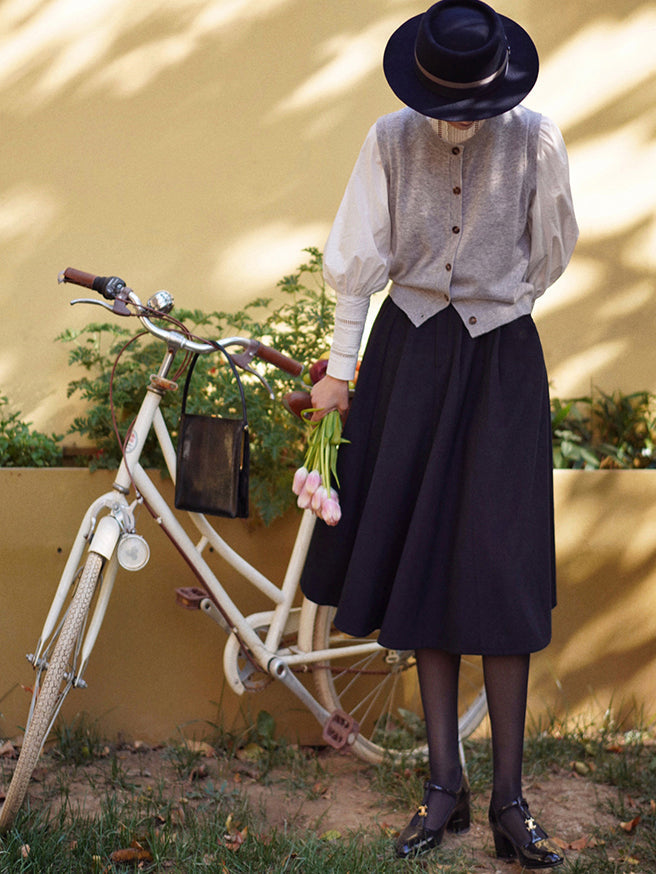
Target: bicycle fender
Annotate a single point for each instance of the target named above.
(306, 629)
(105, 537)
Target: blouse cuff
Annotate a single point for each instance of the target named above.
(350, 318)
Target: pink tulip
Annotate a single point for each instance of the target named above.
(310, 486)
(299, 480)
(331, 511)
(318, 498)
(313, 481)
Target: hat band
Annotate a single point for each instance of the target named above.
(464, 86)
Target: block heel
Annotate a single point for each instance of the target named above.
(416, 839)
(460, 818)
(503, 846)
(536, 852)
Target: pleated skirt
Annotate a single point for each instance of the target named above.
(446, 487)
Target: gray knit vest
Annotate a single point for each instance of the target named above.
(459, 217)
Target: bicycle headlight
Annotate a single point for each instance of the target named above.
(132, 552)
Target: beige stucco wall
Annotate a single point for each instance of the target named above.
(199, 145)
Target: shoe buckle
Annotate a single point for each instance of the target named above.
(423, 810)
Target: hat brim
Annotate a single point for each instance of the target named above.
(510, 90)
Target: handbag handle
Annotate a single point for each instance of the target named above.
(236, 374)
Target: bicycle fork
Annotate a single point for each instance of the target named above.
(100, 536)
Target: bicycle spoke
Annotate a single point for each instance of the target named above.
(380, 691)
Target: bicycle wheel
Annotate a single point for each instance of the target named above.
(380, 691)
(57, 669)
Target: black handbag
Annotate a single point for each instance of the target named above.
(212, 458)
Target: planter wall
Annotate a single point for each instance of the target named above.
(157, 667)
(603, 651)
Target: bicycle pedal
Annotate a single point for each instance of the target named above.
(190, 597)
(340, 730)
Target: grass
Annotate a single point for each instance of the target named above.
(215, 836)
(210, 826)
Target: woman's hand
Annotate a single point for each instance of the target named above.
(329, 394)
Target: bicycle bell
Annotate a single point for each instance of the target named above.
(133, 552)
(161, 301)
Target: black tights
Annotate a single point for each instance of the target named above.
(506, 681)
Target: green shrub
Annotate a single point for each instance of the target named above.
(21, 446)
(605, 431)
(299, 324)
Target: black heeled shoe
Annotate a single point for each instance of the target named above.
(537, 852)
(416, 838)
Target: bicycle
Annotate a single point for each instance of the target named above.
(366, 697)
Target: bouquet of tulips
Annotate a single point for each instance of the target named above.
(312, 481)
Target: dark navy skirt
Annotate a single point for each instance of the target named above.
(446, 538)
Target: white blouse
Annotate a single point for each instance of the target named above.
(357, 256)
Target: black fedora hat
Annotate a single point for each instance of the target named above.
(460, 61)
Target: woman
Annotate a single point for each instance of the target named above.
(462, 200)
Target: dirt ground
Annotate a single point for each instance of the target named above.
(338, 796)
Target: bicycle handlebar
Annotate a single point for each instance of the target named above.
(114, 288)
(108, 286)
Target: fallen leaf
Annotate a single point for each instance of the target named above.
(235, 839)
(134, 853)
(251, 753)
(25, 851)
(582, 843)
(631, 824)
(8, 750)
(331, 835)
(200, 746)
(580, 768)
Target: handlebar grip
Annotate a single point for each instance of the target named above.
(279, 360)
(108, 286)
(78, 277)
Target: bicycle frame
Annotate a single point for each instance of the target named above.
(269, 644)
(103, 534)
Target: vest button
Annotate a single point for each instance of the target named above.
(449, 267)
(457, 190)
(456, 229)
(456, 150)
(472, 320)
